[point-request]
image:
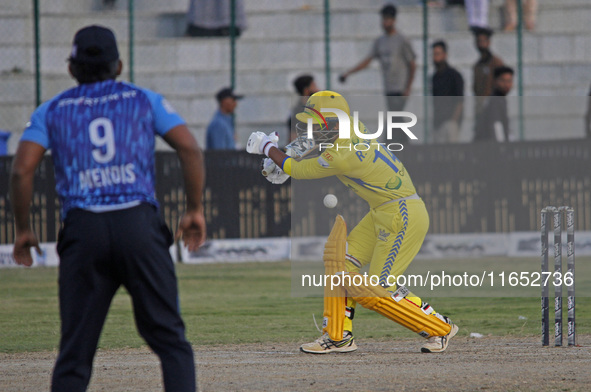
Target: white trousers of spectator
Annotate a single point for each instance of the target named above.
(477, 12)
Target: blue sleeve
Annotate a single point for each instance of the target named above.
(165, 117)
(36, 130)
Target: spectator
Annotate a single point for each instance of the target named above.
(483, 82)
(397, 60)
(448, 84)
(493, 124)
(477, 13)
(485, 66)
(109, 3)
(220, 131)
(212, 18)
(530, 10)
(588, 117)
(304, 86)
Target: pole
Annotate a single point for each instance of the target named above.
(233, 54)
(37, 53)
(520, 66)
(327, 42)
(131, 39)
(426, 69)
(232, 44)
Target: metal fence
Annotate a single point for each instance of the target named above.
(238, 201)
(487, 187)
(282, 40)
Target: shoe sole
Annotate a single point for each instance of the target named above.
(337, 350)
(451, 334)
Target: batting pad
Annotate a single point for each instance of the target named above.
(335, 299)
(396, 307)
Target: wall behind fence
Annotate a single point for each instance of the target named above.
(467, 188)
(284, 39)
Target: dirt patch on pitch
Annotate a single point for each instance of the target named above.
(487, 364)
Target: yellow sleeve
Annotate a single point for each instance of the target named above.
(309, 169)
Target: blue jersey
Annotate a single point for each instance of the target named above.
(101, 136)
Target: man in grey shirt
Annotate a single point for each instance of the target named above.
(397, 60)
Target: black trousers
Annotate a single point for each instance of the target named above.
(98, 253)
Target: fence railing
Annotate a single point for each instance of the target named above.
(487, 187)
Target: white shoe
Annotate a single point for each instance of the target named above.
(325, 345)
(438, 344)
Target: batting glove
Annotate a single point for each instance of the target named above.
(273, 173)
(274, 138)
(259, 143)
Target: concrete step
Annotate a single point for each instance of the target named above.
(376, 5)
(188, 89)
(544, 79)
(345, 22)
(193, 78)
(196, 55)
(85, 6)
(349, 19)
(348, 16)
(60, 28)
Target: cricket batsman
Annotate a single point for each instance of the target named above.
(387, 238)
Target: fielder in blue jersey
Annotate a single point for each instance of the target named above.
(101, 135)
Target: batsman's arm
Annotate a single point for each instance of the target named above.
(192, 224)
(278, 156)
(305, 169)
(27, 158)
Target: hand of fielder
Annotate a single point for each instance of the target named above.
(192, 229)
(23, 243)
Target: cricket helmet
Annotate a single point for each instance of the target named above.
(324, 124)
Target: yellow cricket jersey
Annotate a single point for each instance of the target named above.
(368, 168)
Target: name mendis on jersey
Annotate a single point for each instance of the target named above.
(106, 176)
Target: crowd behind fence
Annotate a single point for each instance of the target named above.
(278, 41)
(493, 188)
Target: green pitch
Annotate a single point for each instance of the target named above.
(248, 303)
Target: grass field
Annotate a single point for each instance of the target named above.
(247, 303)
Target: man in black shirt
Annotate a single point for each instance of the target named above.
(304, 86)
(493, 124)
(448, 88)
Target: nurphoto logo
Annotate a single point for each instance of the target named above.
(392, 123)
